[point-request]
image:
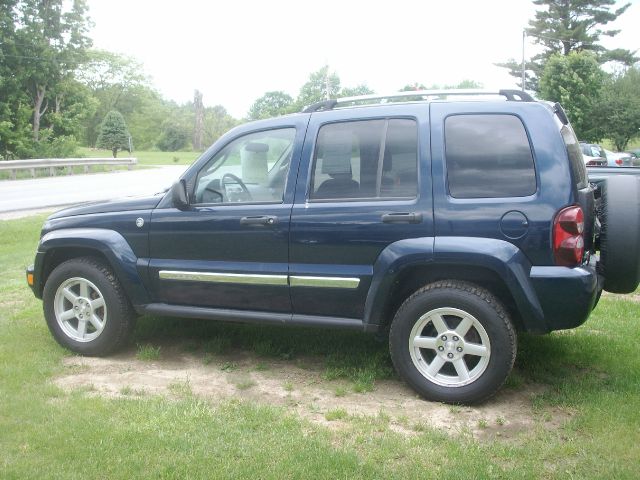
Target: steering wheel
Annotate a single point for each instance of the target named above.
(206, 198)
(237, 180)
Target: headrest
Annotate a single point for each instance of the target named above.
(254, 162)
(256, 147)
(336, 157)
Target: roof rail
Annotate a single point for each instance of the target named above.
(421, 95)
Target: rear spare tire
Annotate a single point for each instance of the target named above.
(620, 234)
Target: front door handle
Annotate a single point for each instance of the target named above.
(404, 217)
(260, 220)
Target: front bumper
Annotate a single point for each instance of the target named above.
(31, 278)
(567, 295)
(34, 275)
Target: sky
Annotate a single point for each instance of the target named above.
(235, 51)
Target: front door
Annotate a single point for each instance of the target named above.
(229, 249)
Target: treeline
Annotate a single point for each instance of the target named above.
(569, 69)
(55, 90)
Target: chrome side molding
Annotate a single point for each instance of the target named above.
(323, 282)
(261, 279)
(216, 277)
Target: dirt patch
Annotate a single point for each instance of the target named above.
(301, 388)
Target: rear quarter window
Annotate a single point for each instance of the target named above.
(574, 152)
(488, 156)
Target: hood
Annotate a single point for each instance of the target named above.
(118, 205)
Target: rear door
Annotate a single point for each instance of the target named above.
(364, 183)
(485, 178)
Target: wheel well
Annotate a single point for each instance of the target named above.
(414, 278)
(60, 255)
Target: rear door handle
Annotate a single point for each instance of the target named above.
(260, 220)
(404, 217)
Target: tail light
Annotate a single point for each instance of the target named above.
(619, 161)
(568, 237)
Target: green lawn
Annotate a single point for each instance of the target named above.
(146, 157)
(45, 432)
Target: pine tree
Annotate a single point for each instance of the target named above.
(113, 133)
(565, 26)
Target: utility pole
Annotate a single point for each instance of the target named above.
(326, 83)
(524, 37)
(198, 128)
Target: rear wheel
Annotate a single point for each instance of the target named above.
(453, 342)
(86, 308)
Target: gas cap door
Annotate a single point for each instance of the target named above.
(514, 224)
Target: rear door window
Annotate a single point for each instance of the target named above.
(370, 159)
(488, 156)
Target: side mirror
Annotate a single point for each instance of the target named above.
(179, 195)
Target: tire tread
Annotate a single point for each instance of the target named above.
(479, 292)
(124, 312)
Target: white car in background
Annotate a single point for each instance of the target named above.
(593, 155)
(618, 159)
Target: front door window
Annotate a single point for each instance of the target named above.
(250, 169)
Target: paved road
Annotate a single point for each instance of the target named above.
(24, 197)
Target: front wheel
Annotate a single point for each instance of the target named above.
(86, 308)
(453, 342)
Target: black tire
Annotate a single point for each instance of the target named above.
(620, 234)
(118, 324)
(491, 370)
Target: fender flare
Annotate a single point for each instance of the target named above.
(502, 258)
(110, 244)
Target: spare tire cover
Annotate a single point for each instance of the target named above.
(620, 234)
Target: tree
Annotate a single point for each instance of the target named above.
(174, 137)
(74, 105)
(566, 26)
(271, 104)
(619, 108)
(42, 45)
(216, 123)
(412, 87)
(355, 91)
(320, 86)
(576, 81)
(54, 43)
(145, 111)
(113, 133)
(118, 83)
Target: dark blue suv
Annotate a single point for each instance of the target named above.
(450, 220)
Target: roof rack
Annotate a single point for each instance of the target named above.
(420, 95)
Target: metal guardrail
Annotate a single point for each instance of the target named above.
(51, 163)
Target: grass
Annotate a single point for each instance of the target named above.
(145, 160)
(146, 157)
(340, 391)
(148, 353)
(592, 372)
(245, 383)
(336, 414)
(62, 171)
